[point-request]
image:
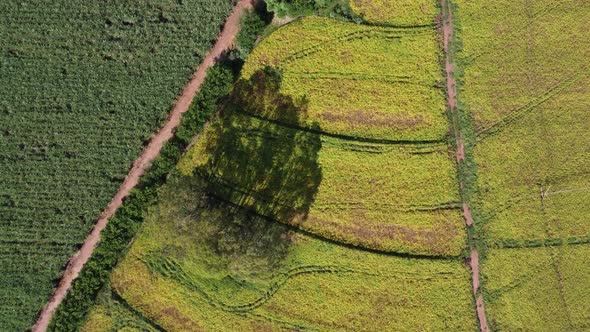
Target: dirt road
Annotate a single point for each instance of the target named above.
(224, 41)
(447, 30)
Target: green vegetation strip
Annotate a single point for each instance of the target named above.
(125, 224)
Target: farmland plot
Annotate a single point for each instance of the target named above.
(195, 266)
(538, 289)
(378, 83)
(529, 106)
(85, 83)
(391, 197)
(303, 203)
(526, 79)
(396, 13)
(387, 183)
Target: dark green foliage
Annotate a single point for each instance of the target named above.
(129, 217)
(124, 316)
(233, 239)
(251, 27)
(261, 165)
(218, 83)
(294, 8)
(84, 84)
(333, 8)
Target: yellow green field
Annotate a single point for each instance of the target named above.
(396, 13)
(365, 183)
(363, 81)
(193, 268)
(397, 197)
(538, 289)
(526, 85)
(528, 93)
(323, 196)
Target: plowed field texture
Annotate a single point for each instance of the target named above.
(84, 84)
(526, 85)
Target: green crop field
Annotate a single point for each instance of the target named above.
(347, 165)
(199, 264)
(84, 85)
(538, 289)
(526, 85)
(341, 189)
(111, 313)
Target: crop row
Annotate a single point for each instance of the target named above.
(543, 288)
(339, 185)
(205, 264)
(398, 13)
(373, 82)
(84, 85)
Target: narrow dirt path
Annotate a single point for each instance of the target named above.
(224, 41)
(447, 30)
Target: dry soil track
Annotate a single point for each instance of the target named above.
(224, 41)
(447, 30)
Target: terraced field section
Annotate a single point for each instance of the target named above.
(528, 91)
(399, 13)
(287, 215)
(393, 189)
(84, 85)
(203, 265)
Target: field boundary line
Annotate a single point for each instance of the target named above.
(548, 242)
(224, 41)
(451, 89)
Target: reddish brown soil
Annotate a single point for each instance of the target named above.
(460, 149)
(447, 30)
(481, 314)
(467, 214)
(224, 41)
(474, 261)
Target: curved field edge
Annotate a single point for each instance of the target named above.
(396, 13)
(324, 62)
(369, 168)
(175, 274)
(396, 226)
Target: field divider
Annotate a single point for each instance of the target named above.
(149, 154)
(388, 32)
(465, 167)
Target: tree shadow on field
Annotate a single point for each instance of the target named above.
(259, 169)
(260, 164)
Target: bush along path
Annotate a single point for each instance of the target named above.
(465, 163)
(136, 200)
